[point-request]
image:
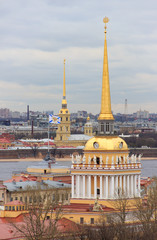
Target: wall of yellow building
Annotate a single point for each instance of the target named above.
(48, 170)
(110, 203)
(105, 172)
(75, 217)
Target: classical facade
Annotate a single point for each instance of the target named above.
(105, 171)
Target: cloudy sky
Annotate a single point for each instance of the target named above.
(36, 35)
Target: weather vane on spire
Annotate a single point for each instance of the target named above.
(105, 20)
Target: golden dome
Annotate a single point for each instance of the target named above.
(107, 143)
(88, 118)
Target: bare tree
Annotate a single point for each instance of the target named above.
(146, 213)
(41, 217)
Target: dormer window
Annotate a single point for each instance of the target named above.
(107, 127)
(102, 127)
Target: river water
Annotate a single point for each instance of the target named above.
(149, 167)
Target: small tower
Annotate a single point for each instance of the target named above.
(88, 128)
(63, 131)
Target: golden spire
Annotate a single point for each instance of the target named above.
(105, 113)
(64, 101)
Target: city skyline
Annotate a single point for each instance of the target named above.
(37, 35)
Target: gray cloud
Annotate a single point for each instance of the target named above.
(36, 35)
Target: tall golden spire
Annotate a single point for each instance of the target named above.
(105, 113)
(64, 101)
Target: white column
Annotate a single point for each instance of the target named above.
(104, 195)
(120, 184)
(132, 186)
(106, 190)
(139, 186)
(124, 185)
(100, 187)
(78, 186)
(116, 185)
(84, 186)
(128, 186)
(112, 187)
(135, 185)
(89, 186)
(72, 186)
(95, 186)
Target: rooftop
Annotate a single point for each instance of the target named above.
(44, 184)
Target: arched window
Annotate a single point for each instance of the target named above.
(98, 160)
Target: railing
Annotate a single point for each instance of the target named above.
(107, 166)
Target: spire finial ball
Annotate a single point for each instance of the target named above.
(105, 20)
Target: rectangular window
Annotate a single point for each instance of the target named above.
(107, 127)
(53, 197)
(102, 127)
(81, 220)
(62, 197)
(66, 118)
(2, 195)
(16, 198)
(66, 196)
(98, 191)
(92, 221)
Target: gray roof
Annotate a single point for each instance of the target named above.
(44, 184)
(79, 137)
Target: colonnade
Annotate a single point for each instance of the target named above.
(105, 186)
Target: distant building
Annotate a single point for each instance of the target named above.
(142, 114)
(82, 114)
(4, 112)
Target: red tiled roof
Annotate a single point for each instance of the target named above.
(65, 226)
(7, 232)
(22, 178)
(15, 202)
(2, 186)
(50, 143)
(77, 207)
(4, 140)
